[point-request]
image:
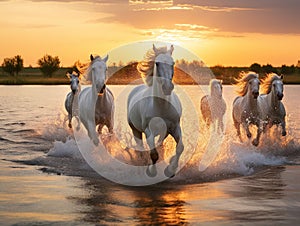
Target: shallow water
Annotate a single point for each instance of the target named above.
(45, 180)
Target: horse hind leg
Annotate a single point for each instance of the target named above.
(137, 135)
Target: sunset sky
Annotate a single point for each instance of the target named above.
(224, 32)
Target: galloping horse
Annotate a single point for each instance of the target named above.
(72, 96)
(92, 111)
(154, 109)
(245, 109)
(213, 106)
(272, 111)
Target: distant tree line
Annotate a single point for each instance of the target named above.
(268, 68)
(49, 65)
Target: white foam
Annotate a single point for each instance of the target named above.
(66, 149)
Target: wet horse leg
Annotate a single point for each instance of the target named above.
(176, 134)
(150, 135)
(137, 135)
(260, 128)
(283, 133)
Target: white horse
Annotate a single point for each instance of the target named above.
(272, 110)
(88, 98)
(154, 109)
(245, 110)
(213, 106)
(72, 96)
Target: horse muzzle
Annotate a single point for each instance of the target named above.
(167, 88)
(255, 94)
(101, 90)
(280, 96)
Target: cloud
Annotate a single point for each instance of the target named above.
(232, 16)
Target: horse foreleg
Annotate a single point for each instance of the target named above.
(91, 127)
(151, 170)
(70, 120)
(246, 127)
(238, 129)
(100, 127)
(176, 134)
(283, 133)
(260, 129)
(220, 125)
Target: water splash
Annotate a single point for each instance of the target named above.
(225, 159)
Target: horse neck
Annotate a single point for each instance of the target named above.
(156, 87)
(250, 99)
(215, 97)
(94, 90)
(272, 100)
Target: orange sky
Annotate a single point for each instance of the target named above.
(235, 32)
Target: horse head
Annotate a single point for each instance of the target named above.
(99, 72)
(277, 87)
(253, 85)
(216, 88)
(165, 69)
(74, 80)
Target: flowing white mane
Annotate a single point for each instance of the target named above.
(242, 82)
(146, 67)
(267, 82)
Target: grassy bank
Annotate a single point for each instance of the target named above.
(128, 74)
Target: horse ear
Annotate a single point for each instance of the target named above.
(68, 75)
(105, 58)
(91, 57)
(171, 49)
(281, 76)
(154, 48)
(221, 81)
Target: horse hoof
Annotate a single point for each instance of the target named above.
(168, 172)
(283, 133)
(255, 142)
(151, 171)
(249, 135)
(70, 125)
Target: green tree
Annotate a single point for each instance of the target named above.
(49, 65)
(268, 68)
(255, 67)
(287, 70)
(13, 65)
(8, 66)
(18, 64)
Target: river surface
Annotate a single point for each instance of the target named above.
(44, 179)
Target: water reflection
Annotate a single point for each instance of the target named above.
(168, 203)
(263, 192)
(113, 203)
